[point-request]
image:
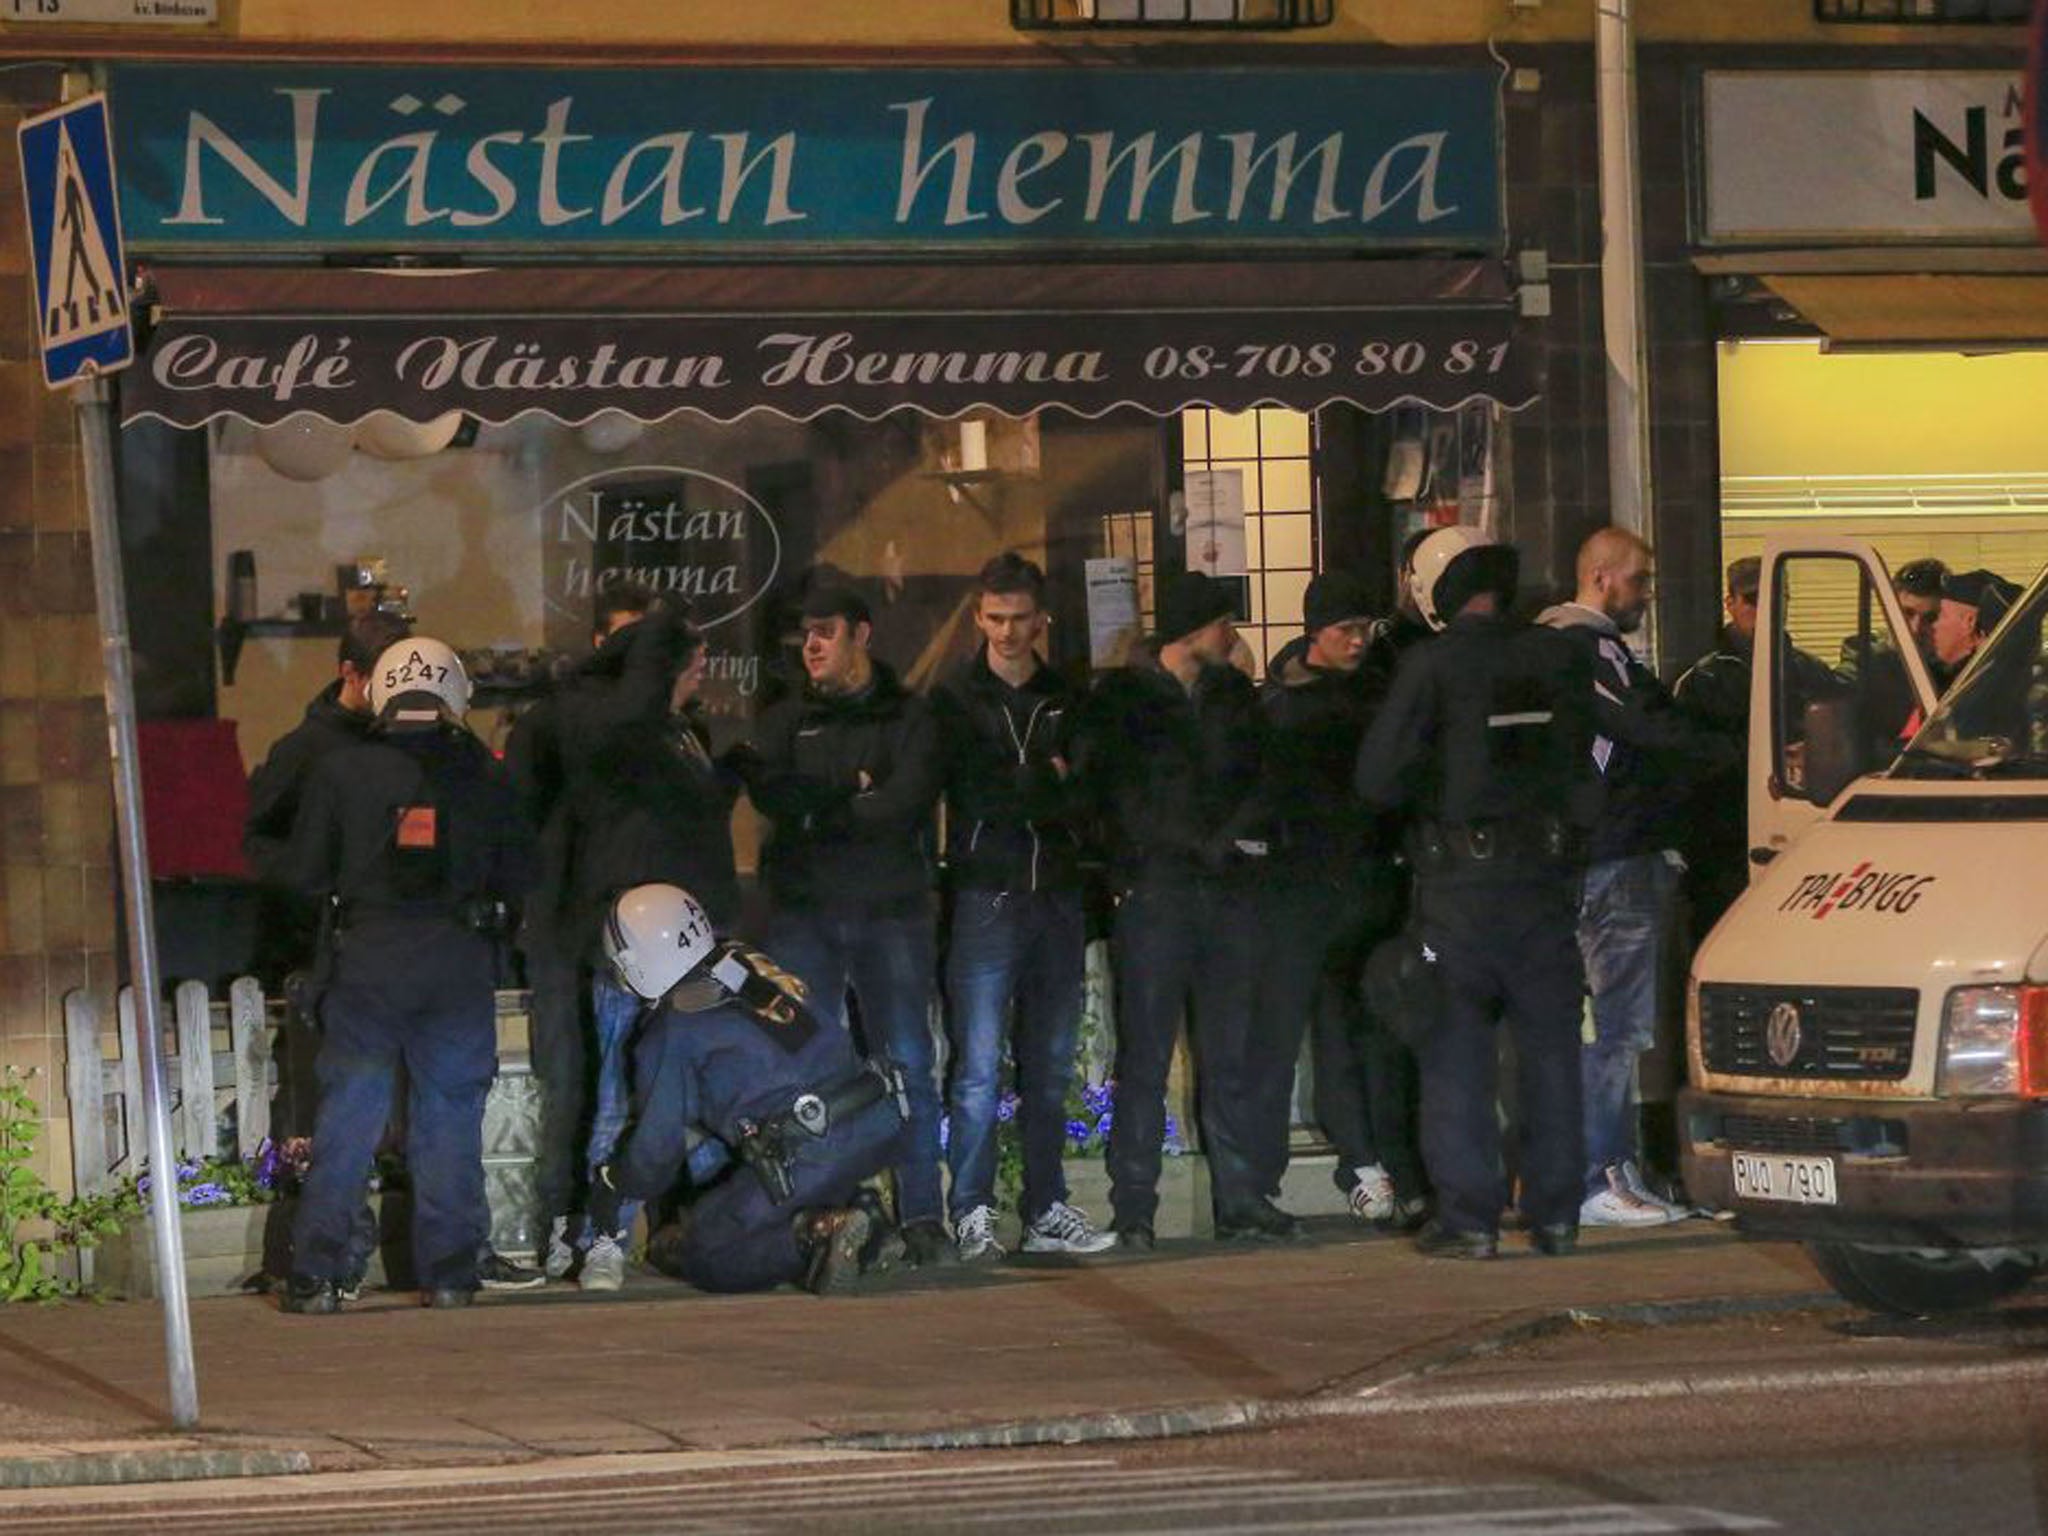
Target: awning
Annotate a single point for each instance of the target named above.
(264, 343)
(1920, 308)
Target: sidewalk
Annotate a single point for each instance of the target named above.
(661, 1368)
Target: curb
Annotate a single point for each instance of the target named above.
(100, 1468)
(1335, 1400)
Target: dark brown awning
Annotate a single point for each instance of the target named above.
(265, 343)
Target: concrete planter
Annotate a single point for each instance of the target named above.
(223, 1248)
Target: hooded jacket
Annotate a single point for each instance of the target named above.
(278, 786)
(654, 807)
(1014, 808)
(1649, 753)
(1174, 771)
(1315, 720)
(836, 846)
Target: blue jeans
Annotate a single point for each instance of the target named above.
(888, 964)
(417, 994)
(1023, 947)
(614, 1011)
(1625, 920)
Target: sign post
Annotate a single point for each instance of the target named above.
(74, 227)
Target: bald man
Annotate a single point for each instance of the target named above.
(1650, 756)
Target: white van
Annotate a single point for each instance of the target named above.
(1868, 1025)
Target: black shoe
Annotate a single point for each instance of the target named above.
(1135, 1235)
(309, 1297)
(1410, 1212)
(495, 1272)
(1261, 1221)
(885, 1248)
(349, 1288)
(1555, 1240)
(1436, 1241)
(832, 1243)
(927, 1244)
(448, 1296)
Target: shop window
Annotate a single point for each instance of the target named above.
(2003, 13)
(1264, 455)
(1254, 15)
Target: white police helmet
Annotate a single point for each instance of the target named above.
(1434, 557)
(419, 666)
(654, 936)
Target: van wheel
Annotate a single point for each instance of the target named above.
(1910, 1284)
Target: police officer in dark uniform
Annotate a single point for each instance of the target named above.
(1486, 742)
(728, 1047)
(415, 835)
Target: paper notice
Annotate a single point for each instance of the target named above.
(1113, 621)
(1215, 532)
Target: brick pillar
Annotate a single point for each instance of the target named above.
(58, 918)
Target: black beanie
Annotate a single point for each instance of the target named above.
(1335, 597)
(1193, 601)
(1986, 591)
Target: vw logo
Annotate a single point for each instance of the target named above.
(1782, 1035)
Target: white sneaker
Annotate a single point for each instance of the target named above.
(975, 1235)
(604, 1266)
(1619, 1206)
(1063, 1229)
(561, 1256)
(1372, 1194)
(1632, 1176)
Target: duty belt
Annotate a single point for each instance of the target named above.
(764, 1145)
(1542, 838)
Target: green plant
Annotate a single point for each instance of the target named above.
(28, 1263)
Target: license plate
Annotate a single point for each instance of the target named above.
(1780, 1176)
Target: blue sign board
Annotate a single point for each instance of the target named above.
(74, 228)
(383, 158)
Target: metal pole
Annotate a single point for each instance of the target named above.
(1621, 278)
(96, 436)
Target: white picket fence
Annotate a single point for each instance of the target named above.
(201, 1085)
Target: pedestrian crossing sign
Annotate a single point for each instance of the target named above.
(74, 227)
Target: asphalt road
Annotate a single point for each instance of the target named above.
(1821, 1421)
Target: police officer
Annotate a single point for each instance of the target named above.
(415, 834)
(728, 1046)
(1486, 743)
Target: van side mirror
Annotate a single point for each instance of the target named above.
(1834, 754)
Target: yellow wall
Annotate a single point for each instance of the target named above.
(470, 26)
(1790, 409)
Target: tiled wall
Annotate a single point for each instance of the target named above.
(58, 923)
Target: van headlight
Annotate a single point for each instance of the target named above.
(1994, 1041)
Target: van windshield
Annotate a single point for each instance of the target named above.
(1993, 723)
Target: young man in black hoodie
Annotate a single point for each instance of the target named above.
(549, 756)
(649, 806)
(848, 772)
(1016, 934)
(1332, 892)
(1171, 748)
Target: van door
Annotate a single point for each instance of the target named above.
(1835, 687)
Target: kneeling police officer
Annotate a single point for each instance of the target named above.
(1487, 742)
(413, 834)
(728, 1047)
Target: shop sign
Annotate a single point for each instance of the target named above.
(1852, 156)
(264, 368)
(2037, 121)
(312, 157)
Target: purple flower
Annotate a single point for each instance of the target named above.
(1006, 1108)
(1078, 1132)
(208, 1193)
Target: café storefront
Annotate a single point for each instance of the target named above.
(501, 337)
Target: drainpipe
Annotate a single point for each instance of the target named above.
(1621, 280)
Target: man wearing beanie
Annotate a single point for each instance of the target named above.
(1172, 743)
(1330, 894)
(1972, 603)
